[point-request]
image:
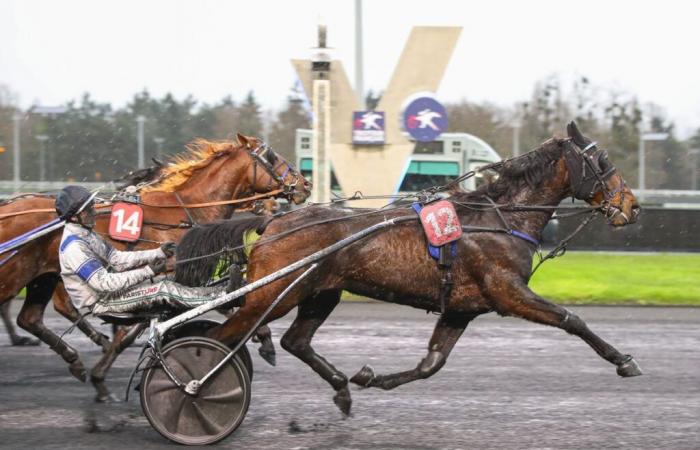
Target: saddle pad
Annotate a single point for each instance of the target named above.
(440, 222)
(125, 222)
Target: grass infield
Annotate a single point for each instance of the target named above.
(617, 278)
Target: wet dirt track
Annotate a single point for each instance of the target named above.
(507, 384)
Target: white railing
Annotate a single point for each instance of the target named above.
(10, 188)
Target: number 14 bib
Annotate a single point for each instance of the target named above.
(440, 222)
(125, 222)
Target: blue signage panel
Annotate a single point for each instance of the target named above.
(368, 127)
(424, 118)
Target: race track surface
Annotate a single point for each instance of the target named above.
(508, 384)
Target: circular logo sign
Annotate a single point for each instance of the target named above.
(424, 118)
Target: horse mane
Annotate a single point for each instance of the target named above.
(527, 171)
(209, 239)
(173, 174)
(198, 154)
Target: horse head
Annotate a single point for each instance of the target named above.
(270, 171)
(138, 176)
(594, 179)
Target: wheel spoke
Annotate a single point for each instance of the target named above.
(234, 395)
(171, 419)
(160, 385)
(186, 360)
(209, 425)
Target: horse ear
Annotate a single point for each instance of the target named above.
(243, 140)
(574, 133)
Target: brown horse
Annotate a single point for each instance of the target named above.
(132, 178)
(490, 271)
(208, 172)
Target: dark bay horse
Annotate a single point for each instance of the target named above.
(207, 172)
(490, 272)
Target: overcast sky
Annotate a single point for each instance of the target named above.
(53, 51)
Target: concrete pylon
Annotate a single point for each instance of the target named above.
(378, 169)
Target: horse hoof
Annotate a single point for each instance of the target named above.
(364, 377)
(343, 400)
(24, 341)
(107, 398)
(77, 369)
(267, 355)
(629, 368)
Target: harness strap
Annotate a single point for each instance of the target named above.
(445, 264)
(187, 211)
(525, 237)
(515, 233)
(508, 229)
(498, 211)
(444, 255)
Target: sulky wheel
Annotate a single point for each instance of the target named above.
(214, 412)
(199, 327)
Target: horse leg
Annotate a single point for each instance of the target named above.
(267, 348)
(311, 314)
(15, 338)
(123, 338)
(63, 305)
(447, 331)
(262, 336)
(518, 300)
(39, 292)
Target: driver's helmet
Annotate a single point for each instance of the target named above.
(72, 200)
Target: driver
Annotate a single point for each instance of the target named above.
(110, 281)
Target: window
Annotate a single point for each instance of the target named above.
(306, 168)
(429, 148)
(425, 174)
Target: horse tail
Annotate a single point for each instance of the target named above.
(205, 249)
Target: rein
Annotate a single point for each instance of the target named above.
(468, 228)
(182, 205)
(560, 249)
(217, 203)
(29, 211)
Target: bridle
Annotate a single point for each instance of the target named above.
(589, 170)
(266, 157)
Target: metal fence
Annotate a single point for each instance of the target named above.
(10, 188)
(670, 220)
(658, 229)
